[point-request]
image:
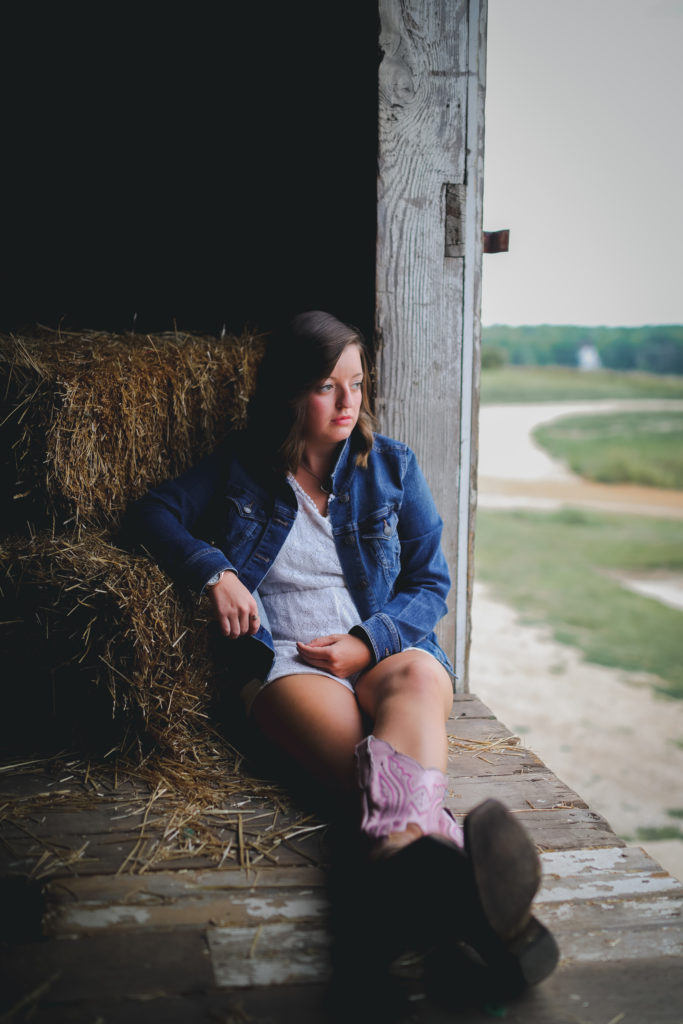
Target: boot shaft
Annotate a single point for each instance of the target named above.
(397, 791)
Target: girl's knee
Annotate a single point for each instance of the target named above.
(411, 674)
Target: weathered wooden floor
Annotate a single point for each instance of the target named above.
(92, 932)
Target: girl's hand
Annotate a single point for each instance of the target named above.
(233, 607)
(340, 653)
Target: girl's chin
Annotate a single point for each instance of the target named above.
(333, 434)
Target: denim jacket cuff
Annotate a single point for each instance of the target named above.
(202, 566)
(215, 576)
(381, 635)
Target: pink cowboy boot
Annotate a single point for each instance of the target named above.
(438, 884)
(397, 793)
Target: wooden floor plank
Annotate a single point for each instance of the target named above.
(190, 941)
(226, 909)
(303, 1004)
(611, 905)
(103, 855)
(162, 886)
(142, 964)
(270, 954)
(644, 992)
(483, 730)
(480, 764)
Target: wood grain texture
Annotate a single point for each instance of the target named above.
(165, 945)
(423, 95)
(472, 326)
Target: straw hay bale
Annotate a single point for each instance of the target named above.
(100, 639)
(89, 420)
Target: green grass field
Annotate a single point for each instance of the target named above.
(555, 569)
(560, 384)
(640, 448)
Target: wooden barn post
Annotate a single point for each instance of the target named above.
(428, 274)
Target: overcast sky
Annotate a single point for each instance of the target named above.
(584, 162)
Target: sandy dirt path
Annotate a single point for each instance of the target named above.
(603, 731)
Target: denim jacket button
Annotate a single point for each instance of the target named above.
(247, 508)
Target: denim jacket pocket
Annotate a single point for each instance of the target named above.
(379, 534)
(245, 517)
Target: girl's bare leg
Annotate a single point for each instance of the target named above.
(317, 722)
(409, 697)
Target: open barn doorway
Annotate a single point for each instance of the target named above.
(205, 166)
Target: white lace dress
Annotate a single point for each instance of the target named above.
(305, 594)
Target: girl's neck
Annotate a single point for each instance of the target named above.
(314, 477)
(319, 462)
(308, 477)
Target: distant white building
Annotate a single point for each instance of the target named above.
(588, 357)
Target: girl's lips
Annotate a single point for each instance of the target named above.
(341, 421)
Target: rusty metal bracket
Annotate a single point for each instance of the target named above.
(496, 241)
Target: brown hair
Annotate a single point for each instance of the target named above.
(296, 360)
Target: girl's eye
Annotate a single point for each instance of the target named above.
(356, 384)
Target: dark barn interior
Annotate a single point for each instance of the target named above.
(200, 167)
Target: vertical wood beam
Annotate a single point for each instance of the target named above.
(471, 348)
(430, 159)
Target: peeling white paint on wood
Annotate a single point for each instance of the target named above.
(573, 862)
(610, 905)
(608, 887)
(274, 954)
(608, 873)
(294, 907)
(87, 919)
(191, 910)
(661, 909)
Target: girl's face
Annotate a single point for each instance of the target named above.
(333, 406)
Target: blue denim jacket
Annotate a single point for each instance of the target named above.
(228, 513)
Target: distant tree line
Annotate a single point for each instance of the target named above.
(656, 349)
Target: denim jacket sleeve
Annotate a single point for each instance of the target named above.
(163, 519)
(417, 601)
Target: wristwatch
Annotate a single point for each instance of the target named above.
(216, 578)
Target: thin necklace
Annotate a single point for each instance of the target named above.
(325, 485)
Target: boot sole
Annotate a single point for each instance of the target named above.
(507, 874)
(495, 878)
(531, 956)
(505, 865)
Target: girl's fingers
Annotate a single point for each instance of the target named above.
(321, 641)
(240, 622)
(233, 625)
